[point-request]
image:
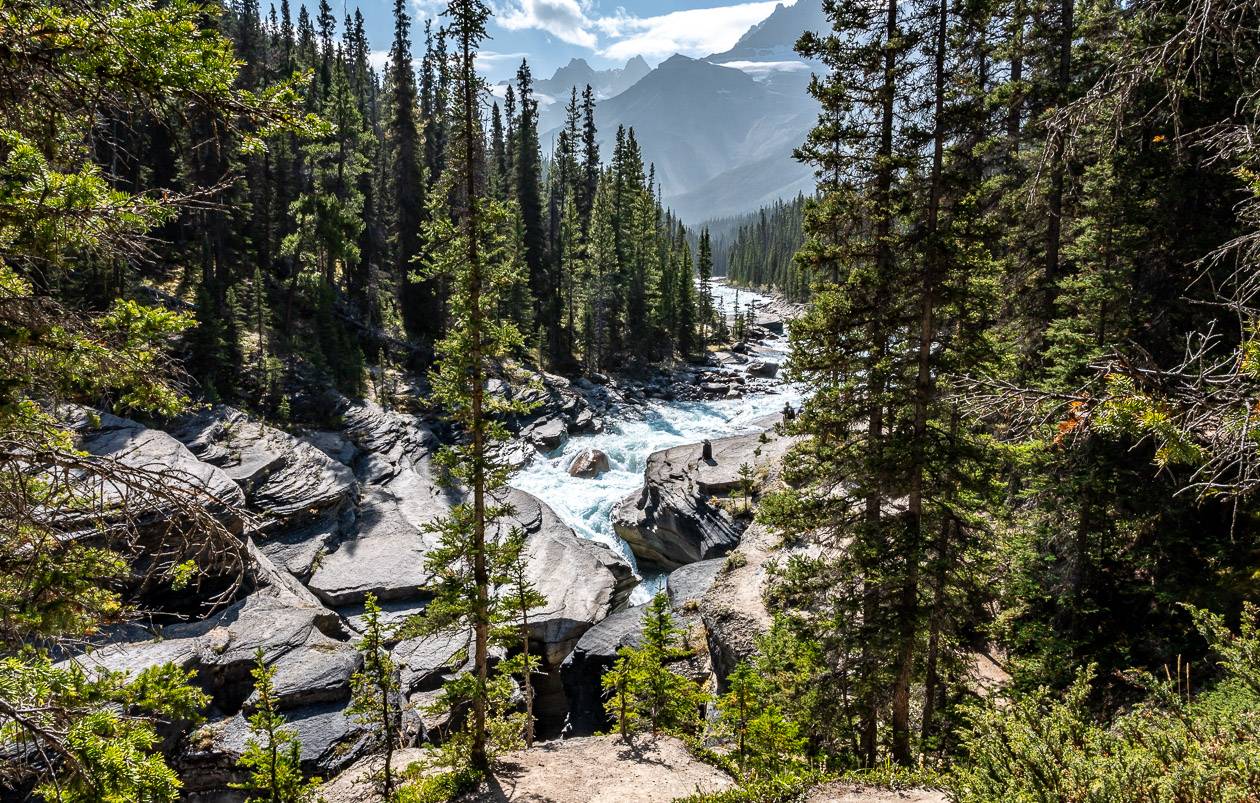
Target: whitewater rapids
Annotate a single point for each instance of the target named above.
(632, 433)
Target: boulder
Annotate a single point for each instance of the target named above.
(670, 522)
(303, 497)
(547, 434)
(585, 421)
(588, 464)
(766, 369)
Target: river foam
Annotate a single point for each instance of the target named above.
(632, 434)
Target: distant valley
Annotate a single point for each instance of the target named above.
(720, 130)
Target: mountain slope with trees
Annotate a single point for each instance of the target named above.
(1026, 440)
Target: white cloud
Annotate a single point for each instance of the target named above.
(693, 32)
(379, 59)
(564, 19)
(762, 68)
(486, 58)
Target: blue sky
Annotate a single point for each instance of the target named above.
(605, 33)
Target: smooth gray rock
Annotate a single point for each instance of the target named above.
(137, 446)
(670, 523)
(675, 519)
(583, 581)
(547, 434)
(386, 555)
(282, 477)
(689, 583)
(595, 653)
(767, 369)
(425, 662)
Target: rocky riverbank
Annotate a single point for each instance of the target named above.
(336, 510)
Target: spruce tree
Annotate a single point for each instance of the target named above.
(520, 596)
(273, 753)
(376, 696)
(705, 270)
(420, 301)
(642, 690)
(590, 155)
(527, 164)
(473, 249)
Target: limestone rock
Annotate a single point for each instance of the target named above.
(282, 477)
(547, 434)
(583, 581)
(386, 555)
(583, 671)
(138, 446)
(588, 464)
(677, 518)
(303, 496)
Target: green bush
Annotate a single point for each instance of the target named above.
(785, 788)
(1174, 747)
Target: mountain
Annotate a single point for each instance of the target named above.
(721, 140)
(606, 83)
(553, 93)
(772, 40)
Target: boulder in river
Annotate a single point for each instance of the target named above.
(677, 518)
(589, 463)
(767, 369)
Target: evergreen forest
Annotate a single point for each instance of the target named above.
(370, 431)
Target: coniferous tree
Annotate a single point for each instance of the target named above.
(419, 300)
(527, 167)
(705, 272)
(375, 698)
(273, 752)
(520, 597)
(472, 247)
(643, 692)
(590, 155)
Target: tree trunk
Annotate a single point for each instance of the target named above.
(481, 574)
(1058, 169)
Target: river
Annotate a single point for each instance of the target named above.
(634, 432)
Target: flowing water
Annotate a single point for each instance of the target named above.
(632, 433)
